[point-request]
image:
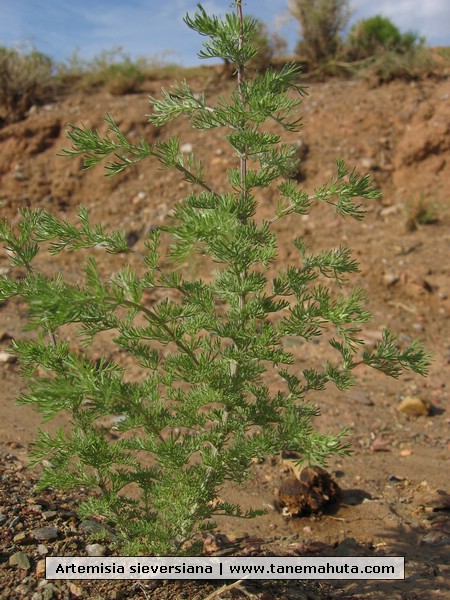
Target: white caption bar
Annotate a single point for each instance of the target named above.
(170, 567)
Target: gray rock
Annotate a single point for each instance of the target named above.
(49, 514)
(91, 526)
(45, 533)
(21, 560)
(94, 528)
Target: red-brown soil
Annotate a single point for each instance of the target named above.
(390, 504)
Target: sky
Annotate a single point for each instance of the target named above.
(155, 28)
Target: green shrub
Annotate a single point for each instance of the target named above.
(25, 80)
(321, 23)
(370, 37)
(201, 409)
(415, 63)
(382, 52)
(123, 78)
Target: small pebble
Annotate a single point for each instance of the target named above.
(22, 538)
(414, 407)
(368, 163)
(45, 533)
(49, 514)
(95, 550)
(42, 549)
(75, 590)
(390, 279)
(186, 148)
(21, 560)
(6, 357)
(395, 479)
(40, 568)
(380, 445)
(405, 452)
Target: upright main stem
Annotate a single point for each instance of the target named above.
(240, 83)
(243, 156)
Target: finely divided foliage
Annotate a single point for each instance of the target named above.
(202, 411)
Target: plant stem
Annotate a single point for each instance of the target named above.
(243, 155)
(240, 84)
(153, 317)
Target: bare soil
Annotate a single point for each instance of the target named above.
(394, 485)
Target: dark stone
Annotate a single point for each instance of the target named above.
(45, 533)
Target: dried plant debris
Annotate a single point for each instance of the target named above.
(311, 493)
